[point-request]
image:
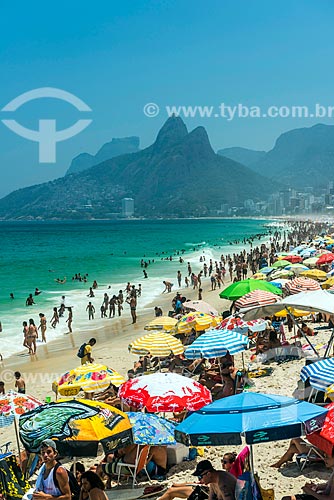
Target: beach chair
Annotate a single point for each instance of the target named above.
(5, 450)
(134, 469)
(311, 457)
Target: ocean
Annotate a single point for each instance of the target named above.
(36, 254)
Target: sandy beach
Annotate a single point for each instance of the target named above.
(58, 356)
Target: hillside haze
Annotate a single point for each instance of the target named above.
(242, 155)
(179, 175)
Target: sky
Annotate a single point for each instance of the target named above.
(117, 56)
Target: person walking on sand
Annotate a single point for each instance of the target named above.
(91, 310)
(133, 307)
(87, 357)
(42, 326)
(69, 319)
(20, 384)
(55, 318)
(32, 336)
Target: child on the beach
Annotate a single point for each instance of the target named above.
(20, 383)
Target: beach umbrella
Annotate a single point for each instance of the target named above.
(240, 288)
(148, 428)
(327, 284)
(325, 258)
(320, 431)
(301, 284)
(256, 298)
(164, 392)
(280, 263)
(158, 344)
(311, 262)
(216, 343)
(297, 313)
(281, 273)
(90, 377)
(279, 282)
(293, 258)
(320, 374)
(238, 325)
(314, 274)
(14, 404)
(161, 323)
(297, 268)
(77, 425)
(200, 306)
(266, 270)
(196, 320)
(258, 417)
(258, 276)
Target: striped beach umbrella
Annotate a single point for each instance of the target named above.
(161, 323)
(256, 298)
(197, 321)
(158, 344)
(90, 377)
(320, 374)
(301, 284)
(216, 343)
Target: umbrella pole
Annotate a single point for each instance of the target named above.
(17, 440)
(74, 465)
(330, 343)
(251, 459)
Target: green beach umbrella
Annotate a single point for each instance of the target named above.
(240, 288)
(281, 263)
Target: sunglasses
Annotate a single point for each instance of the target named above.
(202, 475)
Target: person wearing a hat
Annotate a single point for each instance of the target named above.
(221, 483)
(45, 488)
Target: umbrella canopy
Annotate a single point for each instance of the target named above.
(320, 374)
(328, 283)
(79, 425)
(197, 321)
(240, 326)
(240, 288)
(14, 404)
(300, 284)
(216, 343)
(148, 428)
(315, 274)
(161, 323)
(297, 313)
(311, 261)
(281, 273)
(281, 263)
(293, 258)
(297, 268)
(256, 298)
(91, 377)
(258, 276)
(280, 282)
(200, 306)
(158, 344)
(258, 417)
(266, 270)
(165, 392)
(321, 432)
(325, 259)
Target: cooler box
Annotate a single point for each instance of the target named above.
(176, 453)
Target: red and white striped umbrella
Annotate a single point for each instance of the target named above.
(165, 392)
(301, 284)
(256, 298)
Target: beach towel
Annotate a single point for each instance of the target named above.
(12, 483)
(238, 465)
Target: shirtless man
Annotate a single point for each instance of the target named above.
(42, 326)
(168, 286)
(133, 306)
(312, 491)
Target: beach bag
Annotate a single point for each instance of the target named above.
(265, 494)
(81, 351)
(74, 485)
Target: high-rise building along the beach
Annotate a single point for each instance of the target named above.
(128, 207)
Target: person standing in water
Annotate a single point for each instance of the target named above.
(42, 326)
(55, 318)
(32, 336)
(91, 310)
(69, 319)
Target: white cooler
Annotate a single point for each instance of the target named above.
(176, 453)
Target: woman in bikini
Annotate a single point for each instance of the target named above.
(32, 336)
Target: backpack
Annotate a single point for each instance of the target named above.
(81, 351)
(74, 485)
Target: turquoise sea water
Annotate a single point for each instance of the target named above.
(35, 254)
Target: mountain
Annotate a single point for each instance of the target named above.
(115, 147)
(242, 155)
(301, 157)
(179, 175)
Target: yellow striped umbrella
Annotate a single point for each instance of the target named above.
(315, 274)
(158, 344)
(91, 377)
(197, 321)
(161, 323)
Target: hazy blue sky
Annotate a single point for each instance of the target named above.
(118, 55)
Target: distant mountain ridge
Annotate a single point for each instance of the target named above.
(179, 175)
(301, 157)
(116, 147)
(242, 155)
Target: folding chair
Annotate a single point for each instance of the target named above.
(134, 469)
(313, 456)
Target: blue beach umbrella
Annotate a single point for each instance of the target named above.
(266, 270)
(215, 343)
(320, 374)
(258, 417)
(148, 428)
